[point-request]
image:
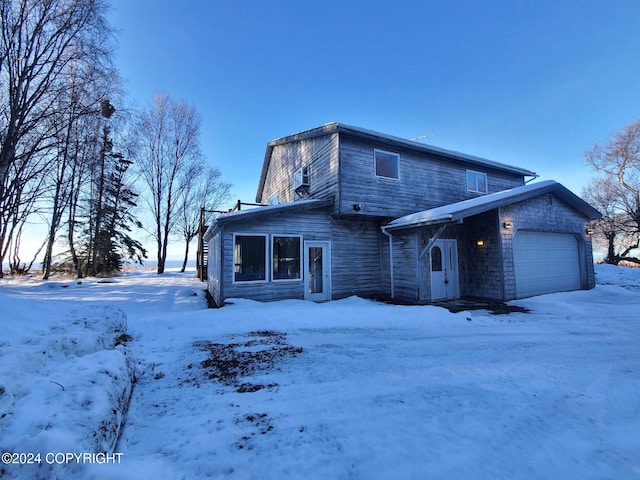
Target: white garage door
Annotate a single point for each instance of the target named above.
(545, 263)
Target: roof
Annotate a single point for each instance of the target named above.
(258, 212)
(455, 212)
(335, 127)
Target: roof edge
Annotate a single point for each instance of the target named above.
(454, 212)
(237, 216)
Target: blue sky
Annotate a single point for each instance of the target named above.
(529, 83)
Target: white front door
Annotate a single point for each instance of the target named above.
(317, 271)
(444, 270)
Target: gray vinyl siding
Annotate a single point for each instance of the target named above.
(423, 183)
(214, 268)
(355, 255)
(405, 266)
(319, 153)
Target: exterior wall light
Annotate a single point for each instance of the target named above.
(357, 207)
(589, 231)
(480, 243)
(508, 225)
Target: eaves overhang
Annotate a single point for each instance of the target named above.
(457, 212)
(258, 213)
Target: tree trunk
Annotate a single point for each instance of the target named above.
(186, 257)
(56, 216)
(160, 267)
(46, 264)
(611, 259)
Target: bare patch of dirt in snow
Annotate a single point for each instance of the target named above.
(232, 364)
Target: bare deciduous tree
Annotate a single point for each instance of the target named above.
(40, 42)
(616, 192)
(207, 191)
(168, 153)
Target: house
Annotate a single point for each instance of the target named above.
(350, 211)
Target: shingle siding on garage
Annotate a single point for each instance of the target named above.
(486, 271)
(483, 265)
(546, 213)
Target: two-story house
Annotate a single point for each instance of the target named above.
(355, 212)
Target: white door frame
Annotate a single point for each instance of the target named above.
(445, 283)
(310, 287)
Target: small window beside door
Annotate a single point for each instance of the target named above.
(286, 263)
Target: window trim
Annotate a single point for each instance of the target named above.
(375, 164)
(285, 280)
(266, 259)
(476, 173)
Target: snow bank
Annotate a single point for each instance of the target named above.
(629, 277)
(64, 383)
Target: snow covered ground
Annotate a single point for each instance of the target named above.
(291, 389)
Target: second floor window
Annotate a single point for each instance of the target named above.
(273, 199)
(476, 181)
(301, 178)
(386, 164)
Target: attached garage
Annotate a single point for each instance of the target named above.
(545, 262)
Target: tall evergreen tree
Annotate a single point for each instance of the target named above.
(106, 242)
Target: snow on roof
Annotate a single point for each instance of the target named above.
(457, 211)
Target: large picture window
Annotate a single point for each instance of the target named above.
(250, 254)
(476, 181)
(286, 258)
(386, 164)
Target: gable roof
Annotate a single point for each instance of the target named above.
(455, 212)
(258, 212)
(341, 128)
